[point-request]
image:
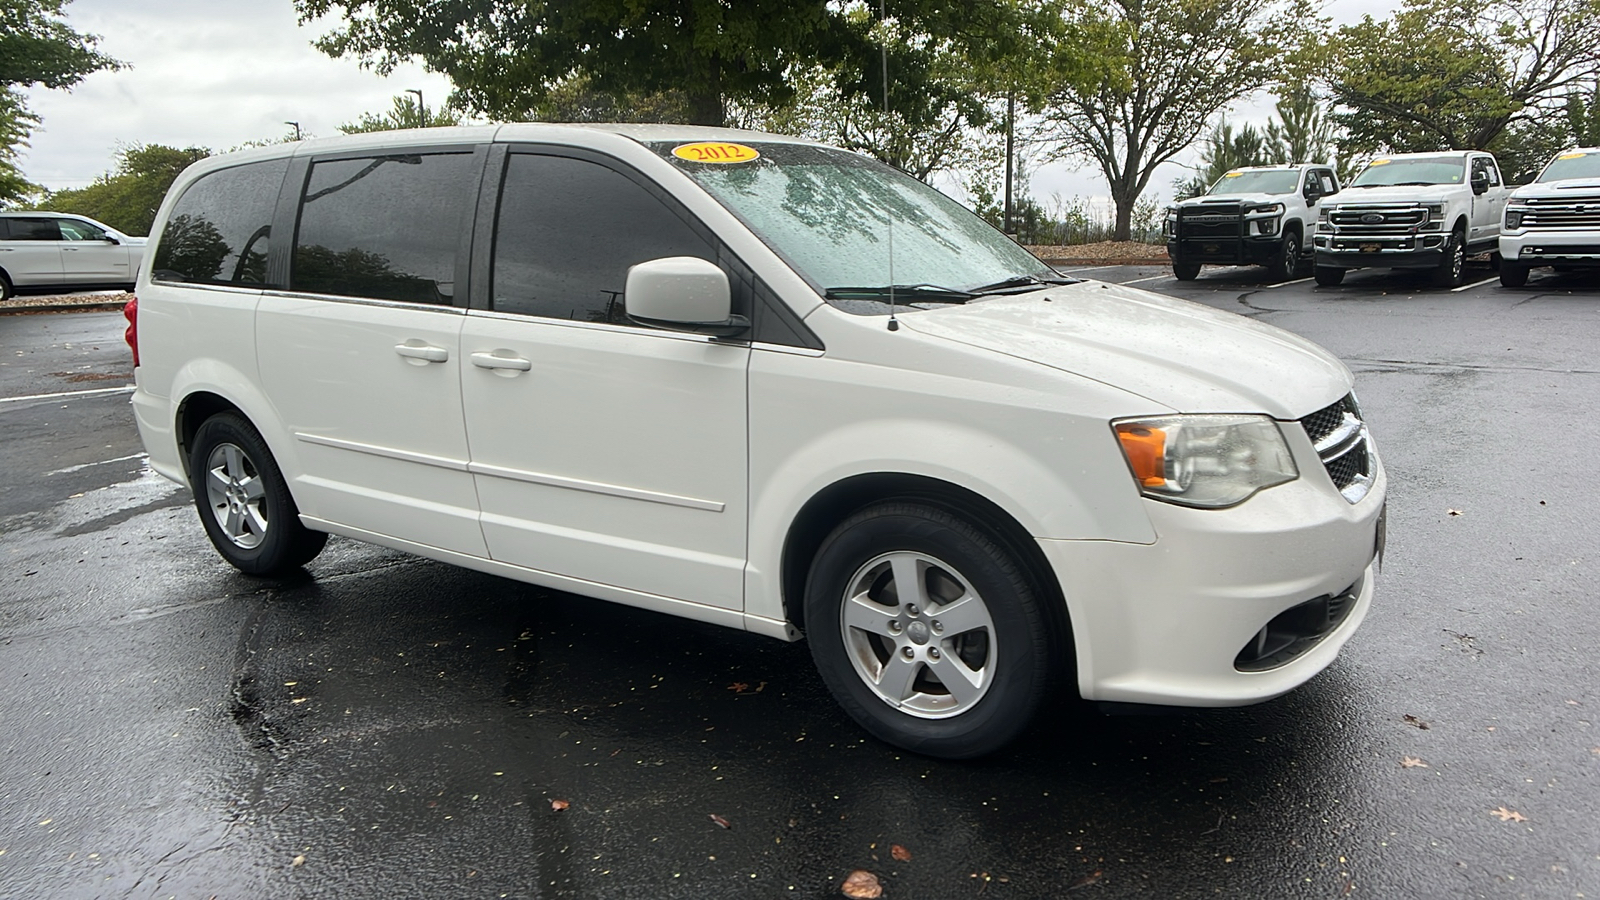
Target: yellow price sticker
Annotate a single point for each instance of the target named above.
(1233, 175)
(1379, 162)
(716, 152)
(1572, 156)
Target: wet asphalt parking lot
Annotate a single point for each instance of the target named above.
(388, 726)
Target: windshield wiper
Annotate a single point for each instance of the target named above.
(903, 293)
(1030, 282)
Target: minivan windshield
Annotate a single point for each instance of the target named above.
(1275, 181)
(1421, 170)
(1576, 164)
(834, 215)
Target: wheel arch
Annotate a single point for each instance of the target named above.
(839, 500)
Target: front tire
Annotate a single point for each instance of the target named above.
(244, 501)
(1330, 276)
(1454, 263)
(1183, 270)
(1513, 275)
(1283, 266)
(927, 631)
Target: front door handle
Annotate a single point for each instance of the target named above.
(491, 361)
(423, 352)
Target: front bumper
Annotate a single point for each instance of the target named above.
(1422, 251)
(1166, 623)
(1254, 250)
(1547, 248)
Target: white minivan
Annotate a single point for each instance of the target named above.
(765, 383)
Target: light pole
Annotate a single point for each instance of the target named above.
(422, 111)
(296, 129)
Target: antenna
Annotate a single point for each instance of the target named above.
(883, 49)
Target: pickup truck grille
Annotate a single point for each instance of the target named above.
(1576, 213)
(1358, 222)
(1219, 221)
(1343, 446)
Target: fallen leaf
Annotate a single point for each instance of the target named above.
(1415, 722)
(1452, 512)
(1411, 762)
(861, 885)
(1595, 750)
(559, 805)
(900, 853)
(738, 687)
(1508, 815)
(721, 821)
(1086, 880)
(298, 861)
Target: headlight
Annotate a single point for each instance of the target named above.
(1205, 461)
(1514, 216)
(1322, 214)
(1435, 220)
(1271, 209)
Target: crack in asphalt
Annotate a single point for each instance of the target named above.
(1392, 365)
(1244, 301)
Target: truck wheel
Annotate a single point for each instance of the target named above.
(1448, 274)
(1183, 270)
(1513, 275)
(244, 502)
(1329, 276)
(1282, 267)
(5, 287)
(927, 631)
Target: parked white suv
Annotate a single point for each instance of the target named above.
(1259, 215)
(45, 252)
(1413, 211)
(677, 368)
(1555, 221)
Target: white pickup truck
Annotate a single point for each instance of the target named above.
(1555, 221)
(1413, 211)
(1259, 215)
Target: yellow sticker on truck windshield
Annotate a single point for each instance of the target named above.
(1572, 156)
(716, 152)
(1233, 175)
(1379, 162)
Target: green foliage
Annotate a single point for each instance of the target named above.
(127, 198)
(1524, 148)
(1454, 74)
(407, 112)
(1304, 132)
(577, 100)
(1224, 151)
(36, 48)
(1583, 116)
(1160, 70)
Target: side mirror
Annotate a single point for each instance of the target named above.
(1480, 181)
(682, 293)
(111, 239)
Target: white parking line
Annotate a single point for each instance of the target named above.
(1143, 280)
(73, 395)
(1468, 287)
(1296, 281)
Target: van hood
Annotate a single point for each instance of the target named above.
(1422, 193)
(1182, 355)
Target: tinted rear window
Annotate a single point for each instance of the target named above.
(218, 230)
(40, 229)
(384, 227)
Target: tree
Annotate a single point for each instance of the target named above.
(506, 57)
(1303, 132)
(407, 112)
(1167, 67)
(1455, 74)
(1224, 151)
(128, 197)
(36, 48)
(1583, 116)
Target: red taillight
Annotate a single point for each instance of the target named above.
(130, 311)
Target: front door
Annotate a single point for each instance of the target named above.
(602, 451)
(90, 256)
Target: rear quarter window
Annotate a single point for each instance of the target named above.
(219, 229)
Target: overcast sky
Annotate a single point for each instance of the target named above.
(218, 73)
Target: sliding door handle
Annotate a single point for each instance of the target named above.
(494, 361)
(423, 352)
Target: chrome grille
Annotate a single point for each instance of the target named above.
(1565, 213)
(1377, 221)
(1340, 438)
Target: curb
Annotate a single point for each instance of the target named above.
(63, 307)
(1163, 261)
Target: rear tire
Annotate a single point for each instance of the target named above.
(1283, 266)
(1513, 275)
(1184, 270)
(5, 288)
(244, 502)
(1330, 276)
(928, 632)
(1448, 274)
